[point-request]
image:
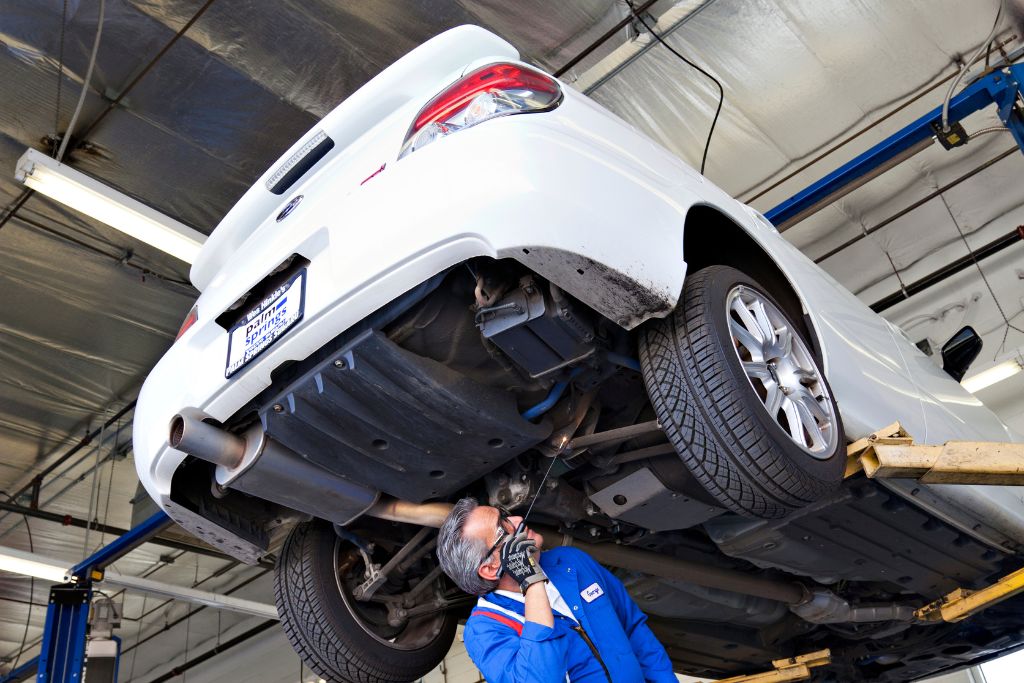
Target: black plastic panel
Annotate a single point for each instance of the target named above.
(864, 533)
(409, 426)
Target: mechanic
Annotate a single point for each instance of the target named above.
(544, 617)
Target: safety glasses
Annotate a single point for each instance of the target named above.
(503, 534)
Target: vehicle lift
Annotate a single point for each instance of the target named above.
(62, 656)
(891, 453)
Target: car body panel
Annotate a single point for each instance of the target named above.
(576, 195)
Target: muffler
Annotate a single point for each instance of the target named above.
(256, 464)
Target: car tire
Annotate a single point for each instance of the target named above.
(714, 397)
(323, 628)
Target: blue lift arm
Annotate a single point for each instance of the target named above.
(22, 673)
(1001, 88)
(91, 568)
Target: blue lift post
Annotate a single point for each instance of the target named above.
(62, 654)
(1001, 87)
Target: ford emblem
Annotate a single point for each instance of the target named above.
(289, 207)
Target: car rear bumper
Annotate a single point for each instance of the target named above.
(559, 191)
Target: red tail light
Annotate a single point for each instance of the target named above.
(488, 92)
(189, 321)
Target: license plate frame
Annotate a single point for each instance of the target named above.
(247, 339)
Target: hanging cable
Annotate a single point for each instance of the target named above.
(721, 91)
(967, 65)
(986, 131)
(60, 70)
(138, 636)
(110, 483)
(93, 516)
(85, 84)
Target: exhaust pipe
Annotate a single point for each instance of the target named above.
(256, 464)
(190, 434)
(424, 514)
(667, 567)
(235, 456)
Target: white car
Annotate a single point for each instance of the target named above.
(468, 269)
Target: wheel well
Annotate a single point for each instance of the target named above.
(706, 231)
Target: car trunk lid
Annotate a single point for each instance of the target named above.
(416, 76)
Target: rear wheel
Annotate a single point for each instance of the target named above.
(742, 398)
(380, 640)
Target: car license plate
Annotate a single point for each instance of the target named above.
(266, 323)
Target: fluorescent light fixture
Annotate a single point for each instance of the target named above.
(80, 192)
(30, 564)
(996, 373)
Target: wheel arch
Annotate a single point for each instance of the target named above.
(707, 228)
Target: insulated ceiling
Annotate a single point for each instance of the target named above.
(85, 311)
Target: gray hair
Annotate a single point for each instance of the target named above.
(461, 557)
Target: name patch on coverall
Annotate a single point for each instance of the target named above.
(592, 592)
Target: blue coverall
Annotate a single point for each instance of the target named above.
(539, 654)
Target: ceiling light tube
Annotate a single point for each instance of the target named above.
(29, 564)
(89, 196)
(995, 374)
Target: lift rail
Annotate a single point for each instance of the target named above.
(791, 669)
(891, 453)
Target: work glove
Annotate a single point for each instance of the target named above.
(519, 560)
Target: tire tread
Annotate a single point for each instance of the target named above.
(701, 405)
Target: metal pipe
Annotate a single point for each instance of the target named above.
(623, 360)
(122, 545)
(189, 434)
(178, 670)
(949, 270)
(641, 454)
(168, 625)
(602, 40)
(614, 435)
(856, 183)
(112, 104)
(68, 520)
(434, 514)
(696, 573)
(914, 96)
(924, 200)
(86, 440)
(642, 49)
(825, 607)
(193, 595)
(552, 398)
(424, 514)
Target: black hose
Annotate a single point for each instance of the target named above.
(721, 92)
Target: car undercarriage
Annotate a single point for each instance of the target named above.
(429, 400)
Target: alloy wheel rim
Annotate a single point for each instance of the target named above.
(782, 371)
